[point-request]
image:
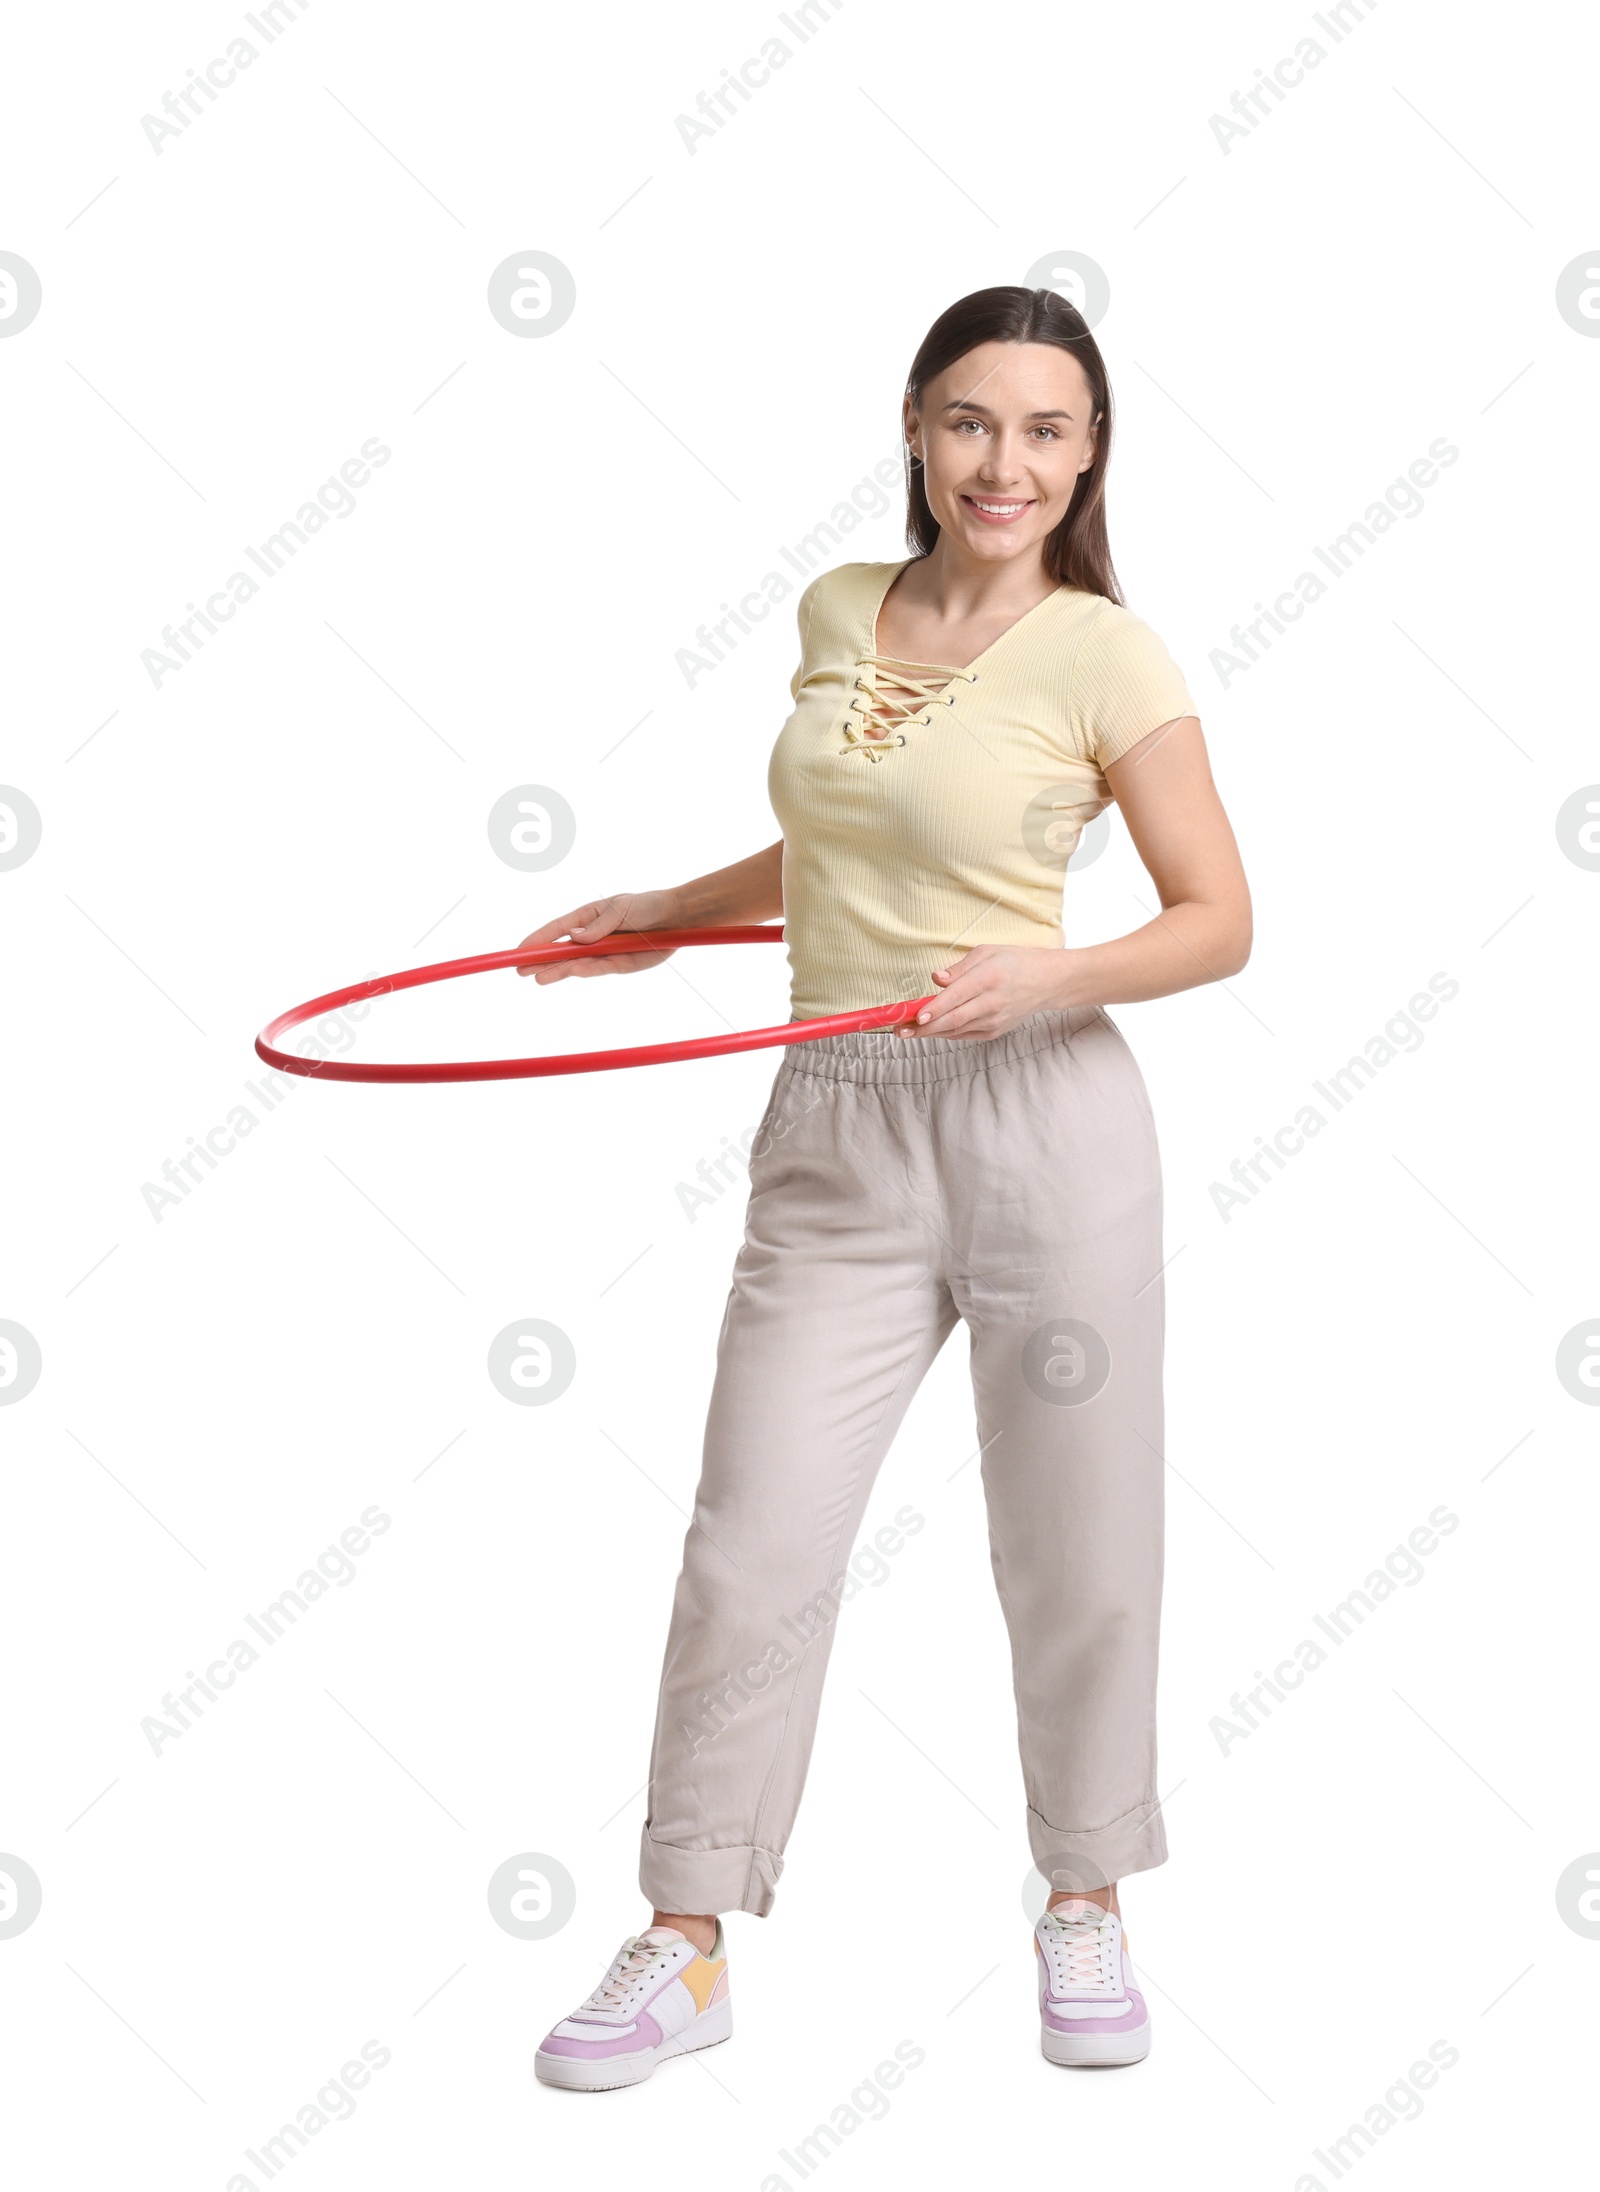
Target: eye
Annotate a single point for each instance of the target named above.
(962, 425)
(1050, 431)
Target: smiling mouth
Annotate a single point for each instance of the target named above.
(998, 509)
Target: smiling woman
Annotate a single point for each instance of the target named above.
(957, 718)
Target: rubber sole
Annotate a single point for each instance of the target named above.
(586, 2074)
(1096, 2050)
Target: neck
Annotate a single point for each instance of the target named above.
(959, 586)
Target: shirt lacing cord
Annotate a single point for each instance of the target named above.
(878, 723)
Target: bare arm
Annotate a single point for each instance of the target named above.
(750, 890)
(1202, 933)
(1181, 833)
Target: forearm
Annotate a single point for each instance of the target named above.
(750, 890)
(1184, 946)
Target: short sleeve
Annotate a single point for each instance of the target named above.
(1124, 686)
(803, 618)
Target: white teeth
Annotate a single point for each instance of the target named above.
(999, 509)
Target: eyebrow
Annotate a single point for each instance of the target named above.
(963, 403)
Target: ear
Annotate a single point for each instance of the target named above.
(911, 427)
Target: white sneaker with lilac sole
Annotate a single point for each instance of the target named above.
(1090, 2011)
(661, 1997)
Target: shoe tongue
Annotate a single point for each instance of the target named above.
(1075, 1909)
(661, 1937)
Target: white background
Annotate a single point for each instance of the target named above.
(304, 1335)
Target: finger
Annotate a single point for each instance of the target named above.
(565, 927)
(561, 970)
(972, 1022)
(976, 1017)
(587, 924)
(628, 962)
(602, 917)
(553, 932)
(962, 990)
(579, 970)
(532, 943)
(569, 970)
(970, 962)
(965, 970)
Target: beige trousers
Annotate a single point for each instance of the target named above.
(896, 1185)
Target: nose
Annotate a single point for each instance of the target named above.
(1003, 463)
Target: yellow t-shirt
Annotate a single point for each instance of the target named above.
(955, 829)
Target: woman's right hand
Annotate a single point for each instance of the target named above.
(628, 912)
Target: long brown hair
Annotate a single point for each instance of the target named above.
(1078, 552)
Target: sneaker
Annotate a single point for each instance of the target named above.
(1090, 2011)
(661, 1997)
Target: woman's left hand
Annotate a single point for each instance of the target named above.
(989, 991)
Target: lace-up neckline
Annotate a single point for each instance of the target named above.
(876, 721)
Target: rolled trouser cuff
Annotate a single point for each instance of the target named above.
(1097, 1856)
(709, 1881)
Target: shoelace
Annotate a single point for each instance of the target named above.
(1078, 1944)
(879, 721)
(631, 1962)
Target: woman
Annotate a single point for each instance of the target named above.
(958, 719)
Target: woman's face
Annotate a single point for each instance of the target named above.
(1003, 435)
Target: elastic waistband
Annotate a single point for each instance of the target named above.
(879, 1054)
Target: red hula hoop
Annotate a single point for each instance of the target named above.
(588, 1061)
